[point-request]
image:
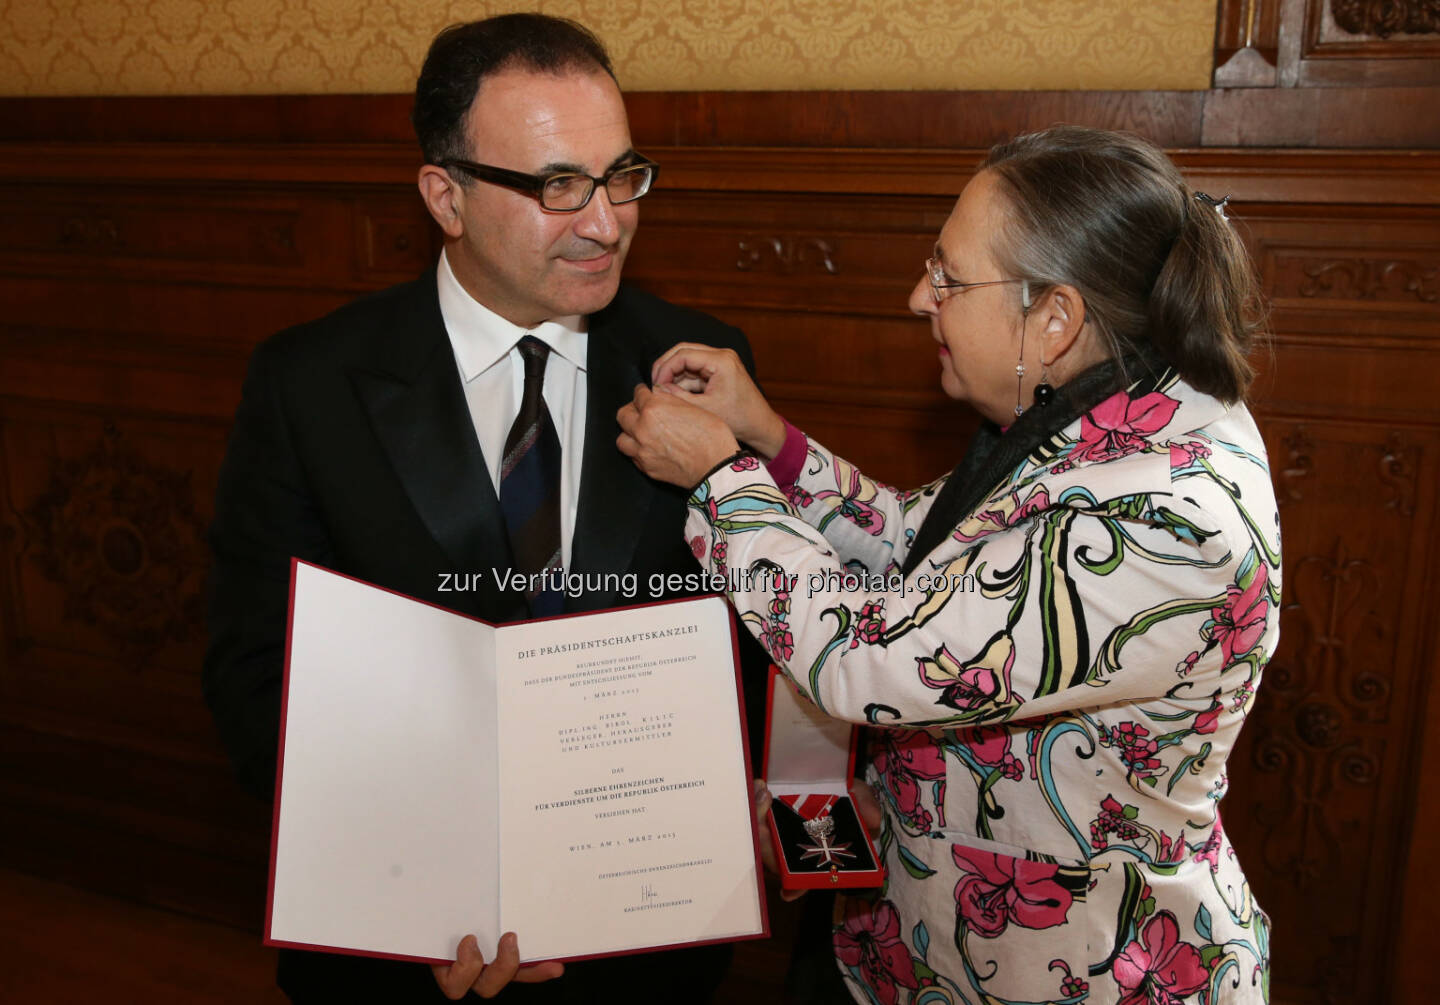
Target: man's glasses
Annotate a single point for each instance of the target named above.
(940, 283)
(566, 191)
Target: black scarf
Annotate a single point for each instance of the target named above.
(994, 455)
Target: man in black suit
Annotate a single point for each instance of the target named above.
(370, 441)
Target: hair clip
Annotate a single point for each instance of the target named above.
(1218, 205)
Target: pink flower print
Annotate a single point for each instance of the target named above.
(1070, 985)
(1206, 720)
(697, 547)
(1238, 623)
(852, 501)
(1171, 849)
(798, 497)
(780, 605)
(1185, 666)
(990, 746)
(775, 635)
(1184, 455)
(905, 758)
(1210, 850)
(1243, 695)
(1116, 819)
(778, 642)
(1157, 968)
(1137, 750)
(870, 940)
(1118, 426)
(746, 462)
(869, 624)
(1002, 513)
(981, 683)
(996, 890)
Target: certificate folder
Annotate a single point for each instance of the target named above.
(579, 780)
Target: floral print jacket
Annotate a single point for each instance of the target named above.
(1054, 691)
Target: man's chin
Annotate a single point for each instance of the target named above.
(589, 297)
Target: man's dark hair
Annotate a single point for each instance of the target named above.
(463, 55)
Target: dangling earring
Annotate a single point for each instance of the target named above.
(1020, 365)
(1020, 378)
(1044, 391)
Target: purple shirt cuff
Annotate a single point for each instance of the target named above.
(786, 466)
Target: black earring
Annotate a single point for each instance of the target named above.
(1044, 391)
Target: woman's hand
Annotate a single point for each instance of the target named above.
(717, 381)
(670, 439)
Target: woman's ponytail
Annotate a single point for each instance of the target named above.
(1204, 309)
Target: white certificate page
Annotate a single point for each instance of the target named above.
(624, 815)
(385, 839)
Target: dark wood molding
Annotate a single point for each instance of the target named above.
(670, 118)
(1246, 174)
(1319, 117)
(1250, 116)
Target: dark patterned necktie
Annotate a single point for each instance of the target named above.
(530, 482)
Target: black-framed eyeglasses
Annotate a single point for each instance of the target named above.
(567, 191)
(940, 282)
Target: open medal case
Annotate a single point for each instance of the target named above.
(809, 760)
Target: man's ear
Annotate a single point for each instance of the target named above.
(1061, 313)
(444, 198)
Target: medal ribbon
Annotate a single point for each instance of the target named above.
(810, 807)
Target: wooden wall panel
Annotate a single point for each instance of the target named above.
(1352, 425)
(135, 277)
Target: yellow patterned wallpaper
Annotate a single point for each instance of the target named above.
(59, 47)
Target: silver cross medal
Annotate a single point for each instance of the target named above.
(821, 829)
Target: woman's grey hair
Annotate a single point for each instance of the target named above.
(1109, 214)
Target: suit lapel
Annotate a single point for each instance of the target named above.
(615, 498)
(418, 411)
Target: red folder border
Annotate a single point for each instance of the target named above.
(295, 563)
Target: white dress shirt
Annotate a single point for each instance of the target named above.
(494, 377)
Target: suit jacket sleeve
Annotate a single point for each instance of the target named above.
(263, 516)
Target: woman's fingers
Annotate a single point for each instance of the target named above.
(695, 363)
(670, 439)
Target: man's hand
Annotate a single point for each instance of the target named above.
(718, 382)
(769, 855)
(867, 808)
(670, 439)
(470, 972)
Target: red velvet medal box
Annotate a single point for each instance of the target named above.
(809, 763)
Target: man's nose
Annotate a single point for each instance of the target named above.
(597, 221)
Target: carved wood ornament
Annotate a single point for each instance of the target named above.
(1384, 18)
(122, 537)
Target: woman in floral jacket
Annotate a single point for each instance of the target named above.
(1057, 643)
